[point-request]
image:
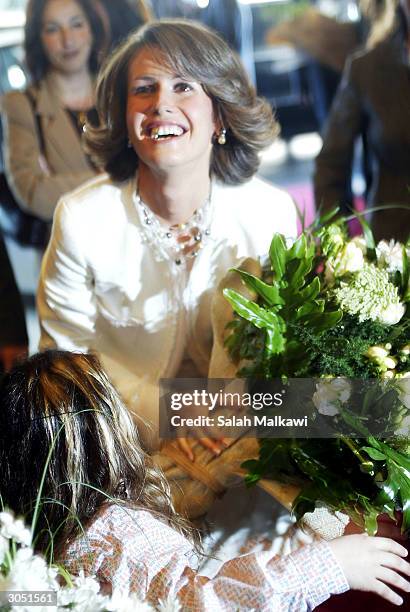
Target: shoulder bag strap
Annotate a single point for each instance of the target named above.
(37, 120)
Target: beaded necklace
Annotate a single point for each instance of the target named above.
(181, 242)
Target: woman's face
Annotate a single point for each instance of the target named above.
(170, 120)
(66, 36)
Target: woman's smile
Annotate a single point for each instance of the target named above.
(162, 131)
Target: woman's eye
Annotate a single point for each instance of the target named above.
(183, 87)
(78, 23)
(50, 29)
(142, 89)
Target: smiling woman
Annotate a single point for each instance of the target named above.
(63, 39)
(180, 133)
(171, 123)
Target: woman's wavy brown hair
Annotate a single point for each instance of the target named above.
(60, 415)
(193, 52)
(35, 56)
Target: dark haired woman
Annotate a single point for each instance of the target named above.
(134, 257)
(104, 508)
(62, 47)
(374, 98)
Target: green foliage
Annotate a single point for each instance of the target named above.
(396, 485)
(338, 473)
(295, 328)
(286, 305)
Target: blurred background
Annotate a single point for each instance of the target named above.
(294, 51)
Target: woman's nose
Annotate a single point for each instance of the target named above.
(66, 37)
(163, 100)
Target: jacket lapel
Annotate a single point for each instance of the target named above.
(63, 144)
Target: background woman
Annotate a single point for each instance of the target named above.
(373, 98)
(180, 135)
(106, 510)
(62, 47)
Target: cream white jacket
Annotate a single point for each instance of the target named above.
(105, 288)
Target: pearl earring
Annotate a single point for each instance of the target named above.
(222, 137)
(129, 144)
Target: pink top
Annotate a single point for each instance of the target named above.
(132, 550)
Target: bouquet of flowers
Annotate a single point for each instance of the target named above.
(336, 309)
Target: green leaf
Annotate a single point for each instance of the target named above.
(331, 214)
(275, 340)
(296, 272)
(370, 520)
(298, 249)
(368, 236)
(269, 293)
(277, 255)
(261, 318)
(396, 485)
(354, 422)
(310, 291)
(324, 320)
(374, 454)
(306, 309)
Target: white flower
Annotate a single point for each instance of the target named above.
(387, 375)
(403, 386)
(390, 256)
(30, 572)
(84, 596)
(349, 260)
(330, 394)
(360, 242)
(122, 601)
(392, 313)
(371, 296)
(404, 429)
(14, 529)
(376, 353)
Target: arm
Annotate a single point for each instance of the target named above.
(67, 308)
(65, 300)
(132, 550)
(13, 333)
(135, 552)
(298, 582)
(34, 184)
(333, 166)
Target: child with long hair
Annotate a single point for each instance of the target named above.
(67, 439)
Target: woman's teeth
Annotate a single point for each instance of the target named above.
(162, 131)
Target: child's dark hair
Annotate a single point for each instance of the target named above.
(61, 417)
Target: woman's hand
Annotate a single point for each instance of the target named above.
(373, 563)
(216, 445)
